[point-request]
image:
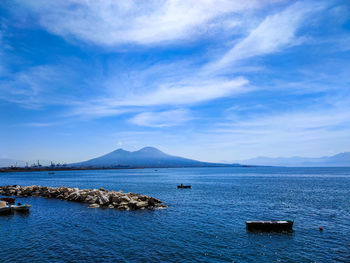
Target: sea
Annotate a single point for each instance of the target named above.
(202, 224)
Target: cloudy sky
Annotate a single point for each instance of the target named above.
(212, 80)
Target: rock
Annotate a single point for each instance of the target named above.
(103, 199)
(153, 201)
(141, 204)
(143, 197)
(96, 198)
(116, 199)
(73, 196)
(91, 199)
(123, 207)
(161, 207)
(125, 198)
(132, 204)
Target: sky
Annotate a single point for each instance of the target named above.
(217, 81)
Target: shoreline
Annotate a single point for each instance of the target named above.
(48, 169)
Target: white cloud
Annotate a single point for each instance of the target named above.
(295, 121)
(162, 119)
(95, 110)
(39, 86)
(192, 91)
(108, 22)
(275, 32)
(189, 93)
(27, 87)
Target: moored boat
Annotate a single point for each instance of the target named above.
(270, 226)
(181, 186)
(4, 208)
(20, 207)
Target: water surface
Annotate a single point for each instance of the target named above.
(203, 224)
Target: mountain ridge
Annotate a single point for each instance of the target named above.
(144, 157)
(337, 160)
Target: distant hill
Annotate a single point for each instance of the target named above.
(146, 157)
(338, 160)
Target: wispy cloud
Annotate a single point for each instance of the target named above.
(188, 93)
(129, 21)
(25, 86)
(185, 93)
(275, 32)
(162, 119)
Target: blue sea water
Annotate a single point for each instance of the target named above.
(203, 224)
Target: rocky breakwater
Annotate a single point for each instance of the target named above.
(96, 197)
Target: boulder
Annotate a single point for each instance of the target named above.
(141, 204)
(103, 199)
(91, 199)
(123, 207)
(124, 198)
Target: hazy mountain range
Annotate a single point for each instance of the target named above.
(145, 157)
(338, 160)
(152, 157)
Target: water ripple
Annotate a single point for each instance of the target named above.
(204, 224)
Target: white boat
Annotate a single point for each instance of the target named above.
(4, 208)
(20, 207)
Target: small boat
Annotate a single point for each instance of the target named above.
(181, 186)
(20, 207)
(270, 226)
(4, 208)
(8, 200)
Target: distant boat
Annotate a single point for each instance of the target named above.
(20, 208)
(270, 226)
(181, 186)
(4, 208)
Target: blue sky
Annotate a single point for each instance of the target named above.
(211, 80)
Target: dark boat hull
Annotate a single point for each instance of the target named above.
(269, 226)
(183, 187)
(5, 210)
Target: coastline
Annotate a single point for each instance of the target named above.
(48, 169)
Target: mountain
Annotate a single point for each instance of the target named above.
(338, 160)
(146, 157)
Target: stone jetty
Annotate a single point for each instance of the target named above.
(96, 197)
